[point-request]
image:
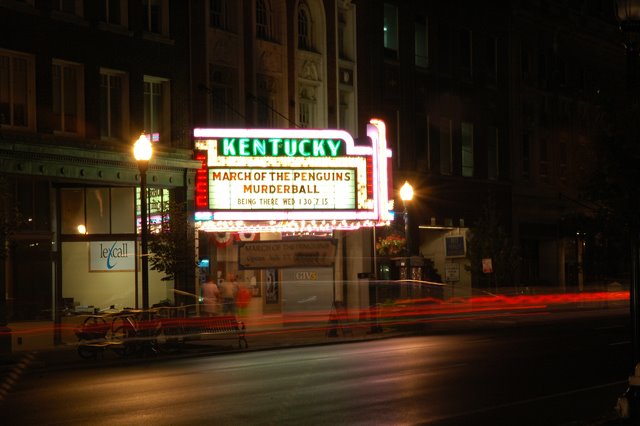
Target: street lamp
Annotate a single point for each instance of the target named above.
(142, 152)
(628, 14)
(406, 195)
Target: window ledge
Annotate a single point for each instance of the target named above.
(159, 38)
(69, 17)
(114, 28)
(17, 5)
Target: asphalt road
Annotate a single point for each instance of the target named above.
(552, 372)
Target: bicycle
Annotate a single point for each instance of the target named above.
(136, 332)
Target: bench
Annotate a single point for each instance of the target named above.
(94, 337)
(197, 328)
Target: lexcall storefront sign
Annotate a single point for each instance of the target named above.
(109, 256)
(291, 179)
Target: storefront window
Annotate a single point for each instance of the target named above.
(121, 208)
(108, 210)
(98, 207)
(72, 208)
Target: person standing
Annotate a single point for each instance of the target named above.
(211, 297)
(242, 299)
(228, 291)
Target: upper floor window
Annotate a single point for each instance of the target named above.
(223, 81)
(114, 89)
(439, 140)
(304, 28)
(218, 14)
(113, 12)
(157, 114)
(307, 107)
(467, 149)
(421, 36)
(390, 29)
(17, 90)
(68, 105)
(346, 111)
(346, 31)
(156, 16)
(73, 7)
(263, 19)
(266, 101)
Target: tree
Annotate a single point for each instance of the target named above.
(487, 239)
(171, 244)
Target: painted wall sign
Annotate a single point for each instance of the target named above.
(109, 256)
(285, 254)
(306, 179)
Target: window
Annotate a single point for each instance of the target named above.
(493, 149)
(156, 16)
(346, 113)
(157, 114)
(17, 81)
(263, 20)
(68, 105)
(216, 14)
(466, 52)
(421, 42)
(307, 107)
(97, 209)
(467, 149)
(67, 6)
(72, 211)
(266, 101)
(113, 12)
(304, 117)
(346, 32)
(222, 83)
(113, 104)
(390, 29)
(422, 141)
(440, 138)
(266, 115)
(304, 28)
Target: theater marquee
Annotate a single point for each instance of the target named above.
(255, 180)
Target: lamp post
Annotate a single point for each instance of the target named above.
(406, 195)
(628, 14)
(142, 152)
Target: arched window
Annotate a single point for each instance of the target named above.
(263, 20)
(304, 28)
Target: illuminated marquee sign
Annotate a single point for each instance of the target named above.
(278, 188)
(291, 179)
